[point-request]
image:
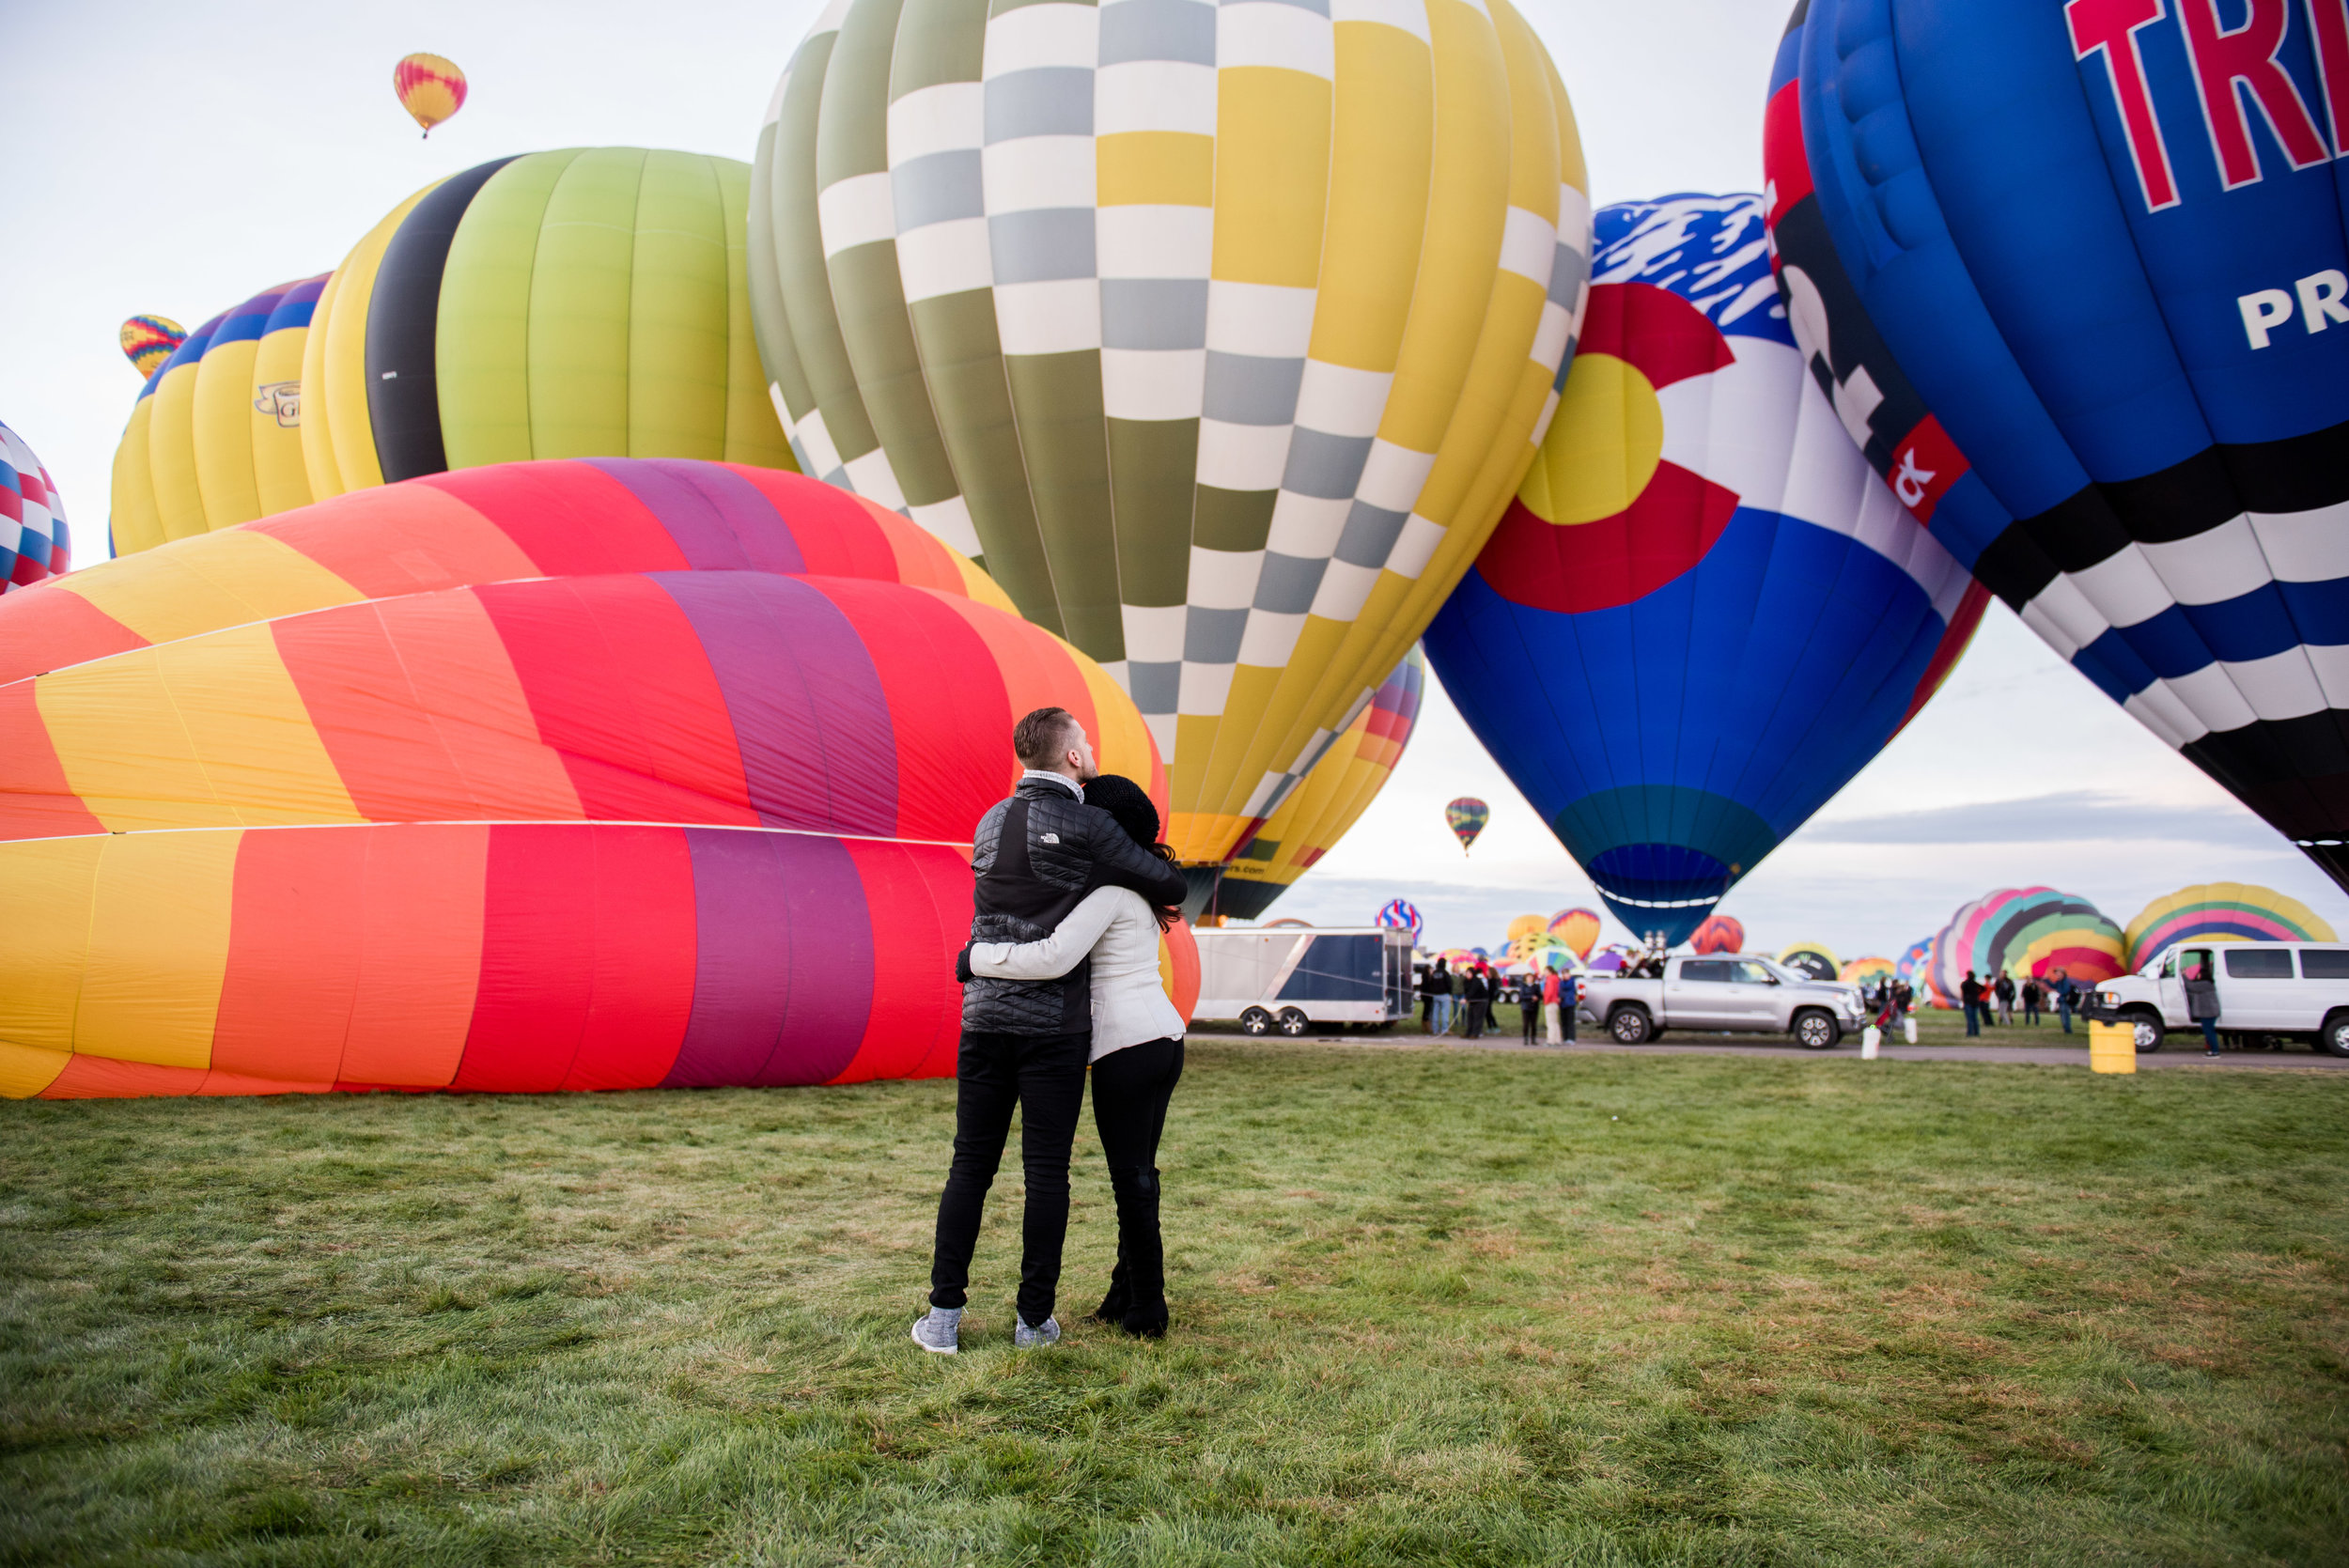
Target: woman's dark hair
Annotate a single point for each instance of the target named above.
(1129, 804)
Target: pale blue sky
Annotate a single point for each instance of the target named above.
(178, 157)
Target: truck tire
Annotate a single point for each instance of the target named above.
(1256, 1021)
(1815, 1029)
(2333, 1039)
(1292, 1022)
(1630, 1025)
(2151, 1032)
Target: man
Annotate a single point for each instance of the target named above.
(2066, 995)
(2005, 992)
(1442, 982)
(1569, 999)
(1969, 995)
(1476, 990)
(1025, 1043)
(1529, 1003)
(2030, 999)
(1428, 998)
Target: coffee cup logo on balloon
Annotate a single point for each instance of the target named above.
(1726, 615)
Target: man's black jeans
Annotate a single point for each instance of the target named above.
(1044, 1075)
(1131, 1091)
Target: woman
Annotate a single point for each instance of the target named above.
(1137, 1048)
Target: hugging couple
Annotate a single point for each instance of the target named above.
(1061, 971)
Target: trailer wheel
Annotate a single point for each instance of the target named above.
(1294, 1023)
(1630, 1025)
(1256, 1021)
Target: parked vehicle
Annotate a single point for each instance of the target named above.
(2269, 992)
(1742, 995)
(1288, 980)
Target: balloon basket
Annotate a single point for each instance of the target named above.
(1870, 1038)
(2111, 1047)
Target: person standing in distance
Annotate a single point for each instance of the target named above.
(1025, 1042)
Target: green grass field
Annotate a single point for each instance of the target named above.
(1431, 1306)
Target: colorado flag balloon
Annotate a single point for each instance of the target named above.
(2076, 277)
(1726, 613)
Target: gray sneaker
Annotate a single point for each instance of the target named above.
(1025, 1338)
(939, 1330)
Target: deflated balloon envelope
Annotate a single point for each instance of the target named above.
(2076, 277)
(612, 774)
(1702, 614)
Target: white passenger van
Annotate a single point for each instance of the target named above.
(2269, 993)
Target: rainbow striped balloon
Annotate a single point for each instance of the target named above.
(2223, 911)
(149, 340)
(560, 775)
(2033, 931)
(1400, 912)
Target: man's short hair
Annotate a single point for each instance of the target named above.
(1039, 739)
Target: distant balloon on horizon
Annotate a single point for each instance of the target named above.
(431, 88)
(1719, 934)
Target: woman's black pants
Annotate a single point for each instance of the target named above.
(1131, 1091)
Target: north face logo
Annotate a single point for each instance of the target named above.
(1050, 838)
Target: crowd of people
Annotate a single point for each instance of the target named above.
(1467, 996)
(1990, 1004)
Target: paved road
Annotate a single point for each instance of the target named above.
(2038, 1056)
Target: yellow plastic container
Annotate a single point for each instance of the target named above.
(2111, 1047)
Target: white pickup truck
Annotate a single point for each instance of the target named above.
(2268, 992)
(1744, 995)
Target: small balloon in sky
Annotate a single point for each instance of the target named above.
(149, 340)
(429, 88)
(1466, 817)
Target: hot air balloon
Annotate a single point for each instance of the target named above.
(429, 88)
(1728, 613)
(1317, 813)
(1718, 934)
(216, 437)
(1866, 972)
(477, 527)
(1578, 929)
(149, 340)
(1400, 913)
(2220, 912)
(33, 541)
(586, 303)
(2019, 931)
(2088, 338)
(1222, 334)
(1466, 817)
(602, 786)
(1815, 959)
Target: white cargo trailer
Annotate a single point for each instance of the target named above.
(1287, 979)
